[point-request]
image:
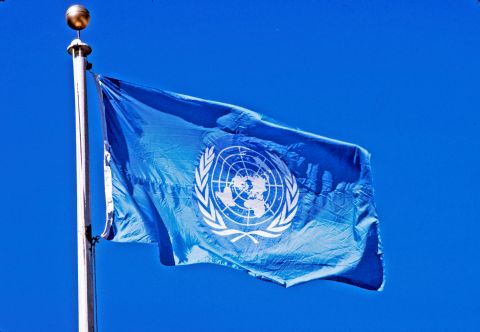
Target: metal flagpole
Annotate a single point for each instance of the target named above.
(78, 17)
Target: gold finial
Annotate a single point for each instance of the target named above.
(77, 17)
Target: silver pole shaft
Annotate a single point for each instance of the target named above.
(79, 51)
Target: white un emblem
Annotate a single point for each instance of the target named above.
(244, 193)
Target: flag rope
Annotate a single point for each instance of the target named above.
(95, 240)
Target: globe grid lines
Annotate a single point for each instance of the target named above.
(247, 171)
(226, 182)
(255, 163)
(213, 218)
(241, 158)
(245, 190)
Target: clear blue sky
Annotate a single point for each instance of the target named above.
(400, 78)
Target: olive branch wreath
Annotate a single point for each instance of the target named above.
(214, 219)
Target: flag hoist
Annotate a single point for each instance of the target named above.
(78, 17)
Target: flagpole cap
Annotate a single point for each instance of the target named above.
(77, 17)
(77, 44)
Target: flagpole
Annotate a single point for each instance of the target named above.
(78, 17)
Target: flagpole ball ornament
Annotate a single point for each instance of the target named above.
(77, 17)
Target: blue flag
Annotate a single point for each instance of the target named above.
(216, 183)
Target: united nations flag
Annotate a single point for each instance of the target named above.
(216, 183)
